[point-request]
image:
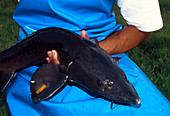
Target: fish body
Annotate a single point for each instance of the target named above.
(82, 63)
(32, 50)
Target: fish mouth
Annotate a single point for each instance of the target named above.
(133, 102)
(136, 105)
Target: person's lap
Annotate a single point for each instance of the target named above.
(74, 101)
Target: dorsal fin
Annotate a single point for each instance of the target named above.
(117, 59)
(95, 42)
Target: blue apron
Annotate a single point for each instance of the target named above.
(96, 18)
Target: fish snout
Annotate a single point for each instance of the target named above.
(137, 102)
(121, 93)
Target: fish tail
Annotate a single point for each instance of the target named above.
(5, 78)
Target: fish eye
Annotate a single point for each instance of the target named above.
(98, 82)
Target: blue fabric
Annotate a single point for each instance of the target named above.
(96, 17)
(93, 16)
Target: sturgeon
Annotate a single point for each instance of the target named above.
(82, 63)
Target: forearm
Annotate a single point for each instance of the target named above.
(124, 40)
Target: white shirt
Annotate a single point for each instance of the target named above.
(144, 14)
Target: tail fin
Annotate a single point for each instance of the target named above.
(5, 78)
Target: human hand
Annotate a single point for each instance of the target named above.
(53, 57)
(84, 35)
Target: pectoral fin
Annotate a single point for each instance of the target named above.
(46, 82)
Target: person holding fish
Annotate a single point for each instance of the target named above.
(91, 19)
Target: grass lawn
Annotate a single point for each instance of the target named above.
(152, 57)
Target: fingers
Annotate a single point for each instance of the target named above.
(53, 57)
(84, 35)
(48, 60)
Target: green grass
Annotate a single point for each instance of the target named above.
(8, 36)
(8, 28)
(152, 57)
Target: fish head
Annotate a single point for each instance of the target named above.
(46, 82)
(117, 89)
(96, 70)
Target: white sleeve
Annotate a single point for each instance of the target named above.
(144, 14)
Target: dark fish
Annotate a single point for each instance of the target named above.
(82, 63)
